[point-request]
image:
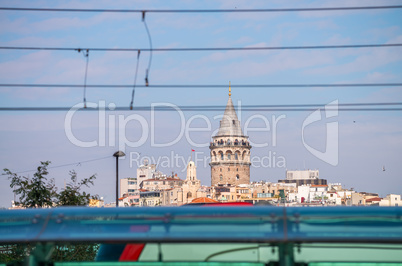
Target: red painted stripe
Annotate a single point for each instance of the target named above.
(131, 252)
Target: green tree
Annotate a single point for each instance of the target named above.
(72, 196)
(75, 252)
(39, 192)
(33, 192)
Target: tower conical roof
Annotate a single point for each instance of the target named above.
(230, 124)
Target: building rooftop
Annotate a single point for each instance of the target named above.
(163, 179)
(203, 200)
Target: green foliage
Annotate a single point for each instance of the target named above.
(69, 252)
(17, 252)
(33, 192)
(78, 252)
(71, 195)
(39, 192)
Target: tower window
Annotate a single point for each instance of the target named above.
(221, 155)
(237, 177)
(221, 169)
(220, 177)
(229, 157)
(237, 169)
(233, 122)
(228, 169)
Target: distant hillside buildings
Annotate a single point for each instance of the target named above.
(230, 180)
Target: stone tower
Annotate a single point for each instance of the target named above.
(230, 151)
(191, 184)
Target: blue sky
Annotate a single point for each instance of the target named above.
(374, 140)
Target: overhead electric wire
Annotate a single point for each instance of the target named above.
(283, 107)
(236, 10)
(62, 165)
(182, 86)
(135, 80)
(194, 49)
(86, 74)
(35, 109)
(150, 49)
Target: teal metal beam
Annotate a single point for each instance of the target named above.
(203, 224)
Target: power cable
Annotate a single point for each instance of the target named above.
(36, 109)
(203, 49)
(245, 108)
(150, 49)
(262, 10)
(63, 165)
(185, 86)
(135, 80)
(86, 54)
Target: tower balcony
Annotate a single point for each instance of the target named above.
(230, 162)
(231, 144)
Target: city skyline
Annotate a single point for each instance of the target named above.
(368, 141)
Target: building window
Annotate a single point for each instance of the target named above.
(221, 169)
(221, 155)
(237, 169)
(229, 157)
(236, 156)
(237, 177)
(228, 169)
(220, 177)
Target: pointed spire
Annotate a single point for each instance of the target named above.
(230, 124)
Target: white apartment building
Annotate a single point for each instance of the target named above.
(318, 193)
(333, 198)
(146, 171)
(302, 195)
(128, 186)
(391, 200)
(302, 174)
